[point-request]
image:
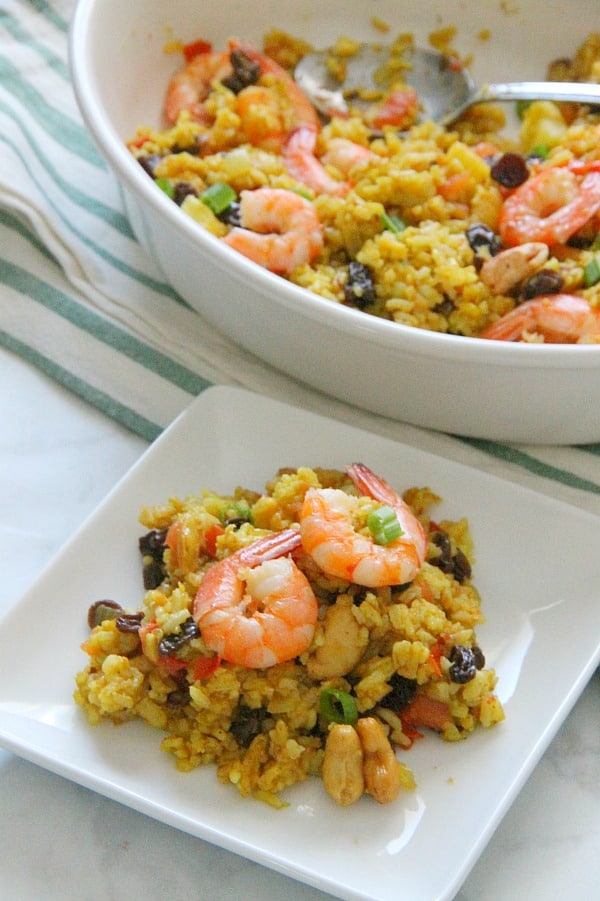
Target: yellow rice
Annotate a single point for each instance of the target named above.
(435, 181)
(197, 703)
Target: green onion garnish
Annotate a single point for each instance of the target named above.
(591, 272)
(166, 185)
(596, 244)
(383, 525)
(521, 106)
(218, 197)
(539, 152)
(393, 223)
(338, 706)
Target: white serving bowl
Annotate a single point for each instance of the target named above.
(547, 394)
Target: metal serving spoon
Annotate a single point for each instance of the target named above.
(444, 91)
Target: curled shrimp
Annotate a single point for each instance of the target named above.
(512, 266)
(190, 86)
(302, 164)
(280, 230)
(549, 207)
(558, 318)
(329, 536)
(297, 141)
(255, 608)
(345, 154)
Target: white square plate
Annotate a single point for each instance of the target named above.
(538, 572)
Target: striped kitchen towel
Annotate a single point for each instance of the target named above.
(81, 299)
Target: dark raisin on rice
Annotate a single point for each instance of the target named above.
(359, 289)
(464, 663)
(483, 242)
(149, 162)
(176, 640)
(511, 170)
(451, 561)
(182, 190)
(129, 622)
(231, 215)
(546, 281)
(245, 72)
(402, 693)
(151, 547)
(247, 723)
(102, 610)
(444, 308)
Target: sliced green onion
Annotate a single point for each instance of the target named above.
(591, 272)
(540, 152)
(596, 244)
(235, 512)
(166, 185)
(338, 706)
(521, 106)
(218, 197)
(383, 525)
(393, 223)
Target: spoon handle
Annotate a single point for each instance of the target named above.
(540, 90)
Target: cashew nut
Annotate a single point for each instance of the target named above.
(344, 642)
(510, 267)
(343, 765)
(380, 766)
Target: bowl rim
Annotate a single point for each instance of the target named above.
(336, 317)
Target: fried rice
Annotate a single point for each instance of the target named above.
(399, 242)
(410, 661)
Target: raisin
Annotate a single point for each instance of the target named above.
(182, 190)
(245, 72)
(247, 724)
(129, 622)
(402, 692)
(231, 215)
(482, 238)
(510, 170)
(463, 666)
(101, 611)
(546, 281)
(444, 308)
(149, 162)
(359, 289)
(151, 546)
(478, 657)
(179, 697)
(173, 642)
(455, 563)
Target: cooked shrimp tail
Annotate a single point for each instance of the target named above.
(556, 318)
(255, 608)
(280, 229)
(329, 536)
(302, 164)
(549, 207)
(190, 86)
(303, 112)
(374, 486)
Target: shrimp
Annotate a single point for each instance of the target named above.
(280, 230)
(345, 154)
(558, 318)
(255, 608)
(507, 269)
(302, 164)
(297, 142)
(549, 207)
(329, 537)
(302, 110)
(189, 88)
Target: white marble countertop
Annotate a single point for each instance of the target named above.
(58, 458)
